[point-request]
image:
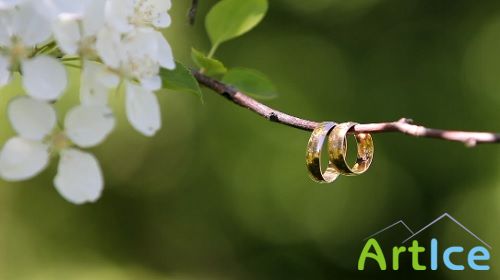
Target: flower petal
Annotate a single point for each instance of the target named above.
(143, 110)
(68, 36)
(152, 83)
(22, 159)
(95, 84)
(165, 56)
(162, 21)
(30, 118)
(87, 125)
(94, 18)
(108, 47)
(5, 30)
(44, 77)
(79, 178)
(60, 9)
(30, 26)
(155, 11)
(118, 13)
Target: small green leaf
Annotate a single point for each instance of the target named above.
(209, 66)
(180, 79)
(251, 82)
(229, 19)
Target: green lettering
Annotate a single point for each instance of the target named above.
(395, 256)
(415, 249)
(377, 256)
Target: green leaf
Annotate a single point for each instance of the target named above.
(229, 19)
(209, 66)
(180, 79)
(251, 82)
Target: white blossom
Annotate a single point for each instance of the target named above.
(138, 56)
(151, 12)
(95, 84)
(143, 110)
(125, 15)
(21, 29)
(22, 159)
(75, 23)
(31, 119)
(113, 42)
(118, 14)
(44, 77)
(87, 125)
(79, 177)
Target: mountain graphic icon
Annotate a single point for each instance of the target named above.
(413, 234)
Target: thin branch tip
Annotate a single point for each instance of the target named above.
(471, 143)
(406, 120)
(403, 125)
(193, 10)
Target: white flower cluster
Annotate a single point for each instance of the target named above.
(115, 42)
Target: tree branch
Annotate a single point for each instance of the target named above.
(403, 125)
(192, 11)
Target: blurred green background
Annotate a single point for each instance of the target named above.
(220, 193)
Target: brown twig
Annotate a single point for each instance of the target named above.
(192, 11)
(403, 125)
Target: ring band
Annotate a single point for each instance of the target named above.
(337, 143)
(313, 155)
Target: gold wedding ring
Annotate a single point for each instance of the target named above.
(337, 143)
(313, 155)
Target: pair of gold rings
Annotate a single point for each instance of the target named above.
(337, 151)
